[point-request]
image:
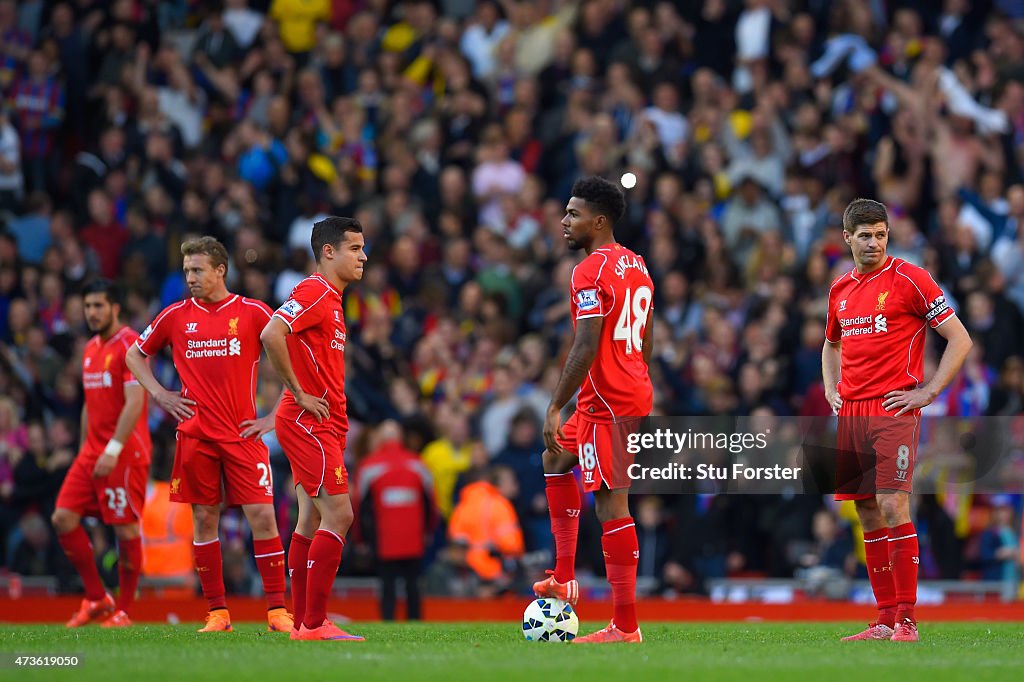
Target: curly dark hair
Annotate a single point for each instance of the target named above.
(603, 197)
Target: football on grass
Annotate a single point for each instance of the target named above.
(550, 620)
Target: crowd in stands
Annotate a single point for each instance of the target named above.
(453, 130)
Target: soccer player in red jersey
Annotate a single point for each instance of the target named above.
(305, 340)
(214, 337)
(611, 300)
(872, 365)
(108, 478)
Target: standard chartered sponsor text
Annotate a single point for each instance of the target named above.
(207, 348)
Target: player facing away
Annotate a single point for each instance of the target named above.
(108, 478)
(611, 299)
(872, 366)
(305, 340)
(214, 340)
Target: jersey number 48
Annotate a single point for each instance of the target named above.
(633, 319)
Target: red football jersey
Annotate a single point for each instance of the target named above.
(104, 376)
(613, 283)
(397, 485)
(316, 347)
(880, 317)
(216, 350)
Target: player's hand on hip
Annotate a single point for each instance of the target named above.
(906, 401)
(257, 428)
(315, 406)
(104, 465)
(553, 430)
(173, 404)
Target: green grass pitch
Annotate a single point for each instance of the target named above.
(794, 652)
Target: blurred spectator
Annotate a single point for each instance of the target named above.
(32, 228)
(448, 456)
(485, 523)
(36, 553)
(397, 515)
(832, 546)
(104, 235)
(1000, 547)
(12, 182)
(299, 21)
(653, 536)
(37, 104)
(522, 455)
(481, 38)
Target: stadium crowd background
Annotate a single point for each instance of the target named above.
(453, 130)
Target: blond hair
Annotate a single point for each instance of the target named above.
(207, 246)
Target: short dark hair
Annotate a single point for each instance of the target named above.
(104, 286)
(864, 212)
(331, 230)
(207, 246)
(602, 196)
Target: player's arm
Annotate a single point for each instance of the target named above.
(134, 399)
(647, 349)
(958, 345)
(273, 339)
(170, 401)
(581, 357)
(257, 428)
(830, 373)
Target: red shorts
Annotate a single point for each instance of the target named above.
(116, 499)
(317, 456)
(877, 450)
(207, 472)
(601, 448)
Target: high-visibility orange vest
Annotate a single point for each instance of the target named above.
(484, 520)
(166, 535)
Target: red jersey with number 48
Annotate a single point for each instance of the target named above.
(613, 283)
(216, 349)
(880, 318)
(104, 376)
(316, 348)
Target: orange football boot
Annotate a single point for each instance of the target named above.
(92, 611)
(120, 619)
(326, 632)
(610, 635)
(551, 588)
(217, 621)
(279, 620)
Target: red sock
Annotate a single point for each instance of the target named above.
(324, 558)
(903, 556)
(298, 554)
(876, 552)
(210, 567)
(621, 555)
(79, 551)
(270, 561)
(564, 507)
(129, 566)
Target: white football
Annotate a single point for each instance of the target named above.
(550, 620)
